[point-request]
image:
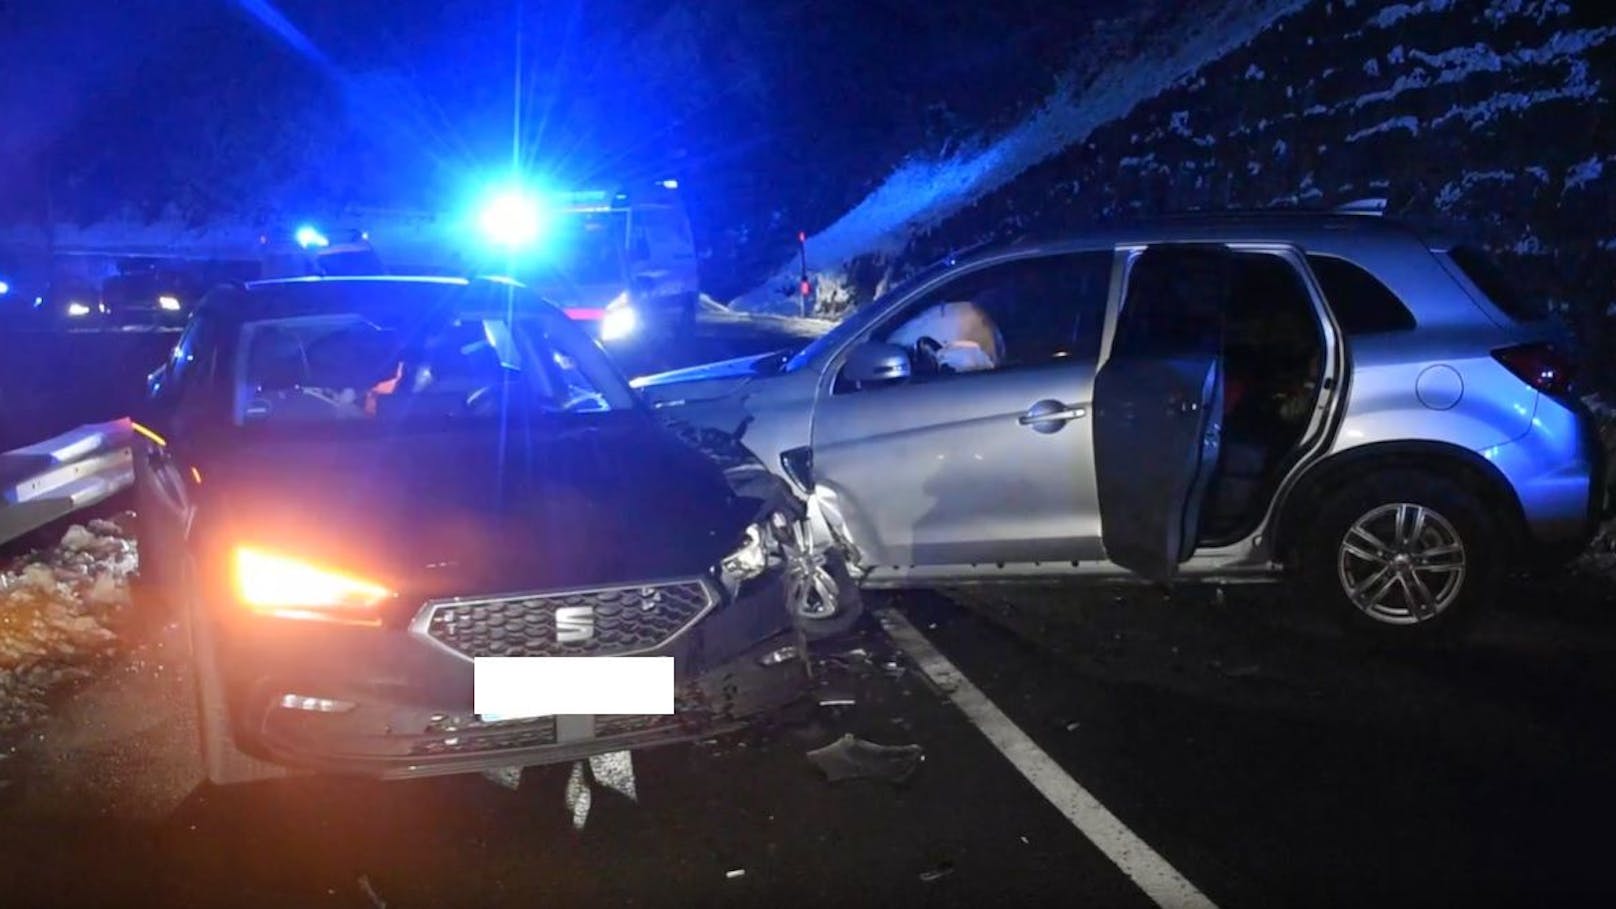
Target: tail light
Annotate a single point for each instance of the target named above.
(1540, 366)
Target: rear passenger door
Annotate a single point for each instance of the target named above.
(1158, 406)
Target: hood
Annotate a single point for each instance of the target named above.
(713, 380)
(600, 501)
(579, 296)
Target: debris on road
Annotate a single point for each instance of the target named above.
(734, 873)
(850, 758)
(943, 869)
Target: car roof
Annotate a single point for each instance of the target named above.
(273, 297)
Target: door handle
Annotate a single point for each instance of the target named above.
(1050, 415)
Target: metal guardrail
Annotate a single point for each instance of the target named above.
(48, 480)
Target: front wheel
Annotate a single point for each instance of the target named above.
(1403, 556)
(821, 595)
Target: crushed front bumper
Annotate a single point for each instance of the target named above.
(411, 697)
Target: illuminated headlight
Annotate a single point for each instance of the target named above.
(749, 560)
(168, 303)
(620, 320)
(273, 584)
(77, 309)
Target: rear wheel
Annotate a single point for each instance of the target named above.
(222, 762)
(1403, 556)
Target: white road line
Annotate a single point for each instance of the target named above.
(1159, 880)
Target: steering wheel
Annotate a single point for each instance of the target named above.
(928, 353)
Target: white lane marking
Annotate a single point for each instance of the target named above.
(1159, 880)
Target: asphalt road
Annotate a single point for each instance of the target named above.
(1259, 753)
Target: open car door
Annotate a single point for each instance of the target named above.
(1158, 406)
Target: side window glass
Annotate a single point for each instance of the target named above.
(1029, 312)
(1175, 302)
(1361, 303)
(176, 373)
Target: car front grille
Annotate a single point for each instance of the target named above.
(600, 622)
(467, 734)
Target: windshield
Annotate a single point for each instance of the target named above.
(386, 363)
(863, 317)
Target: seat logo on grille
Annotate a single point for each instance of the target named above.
(574, 624)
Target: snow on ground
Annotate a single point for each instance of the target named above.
(57, 609)
(920, 194)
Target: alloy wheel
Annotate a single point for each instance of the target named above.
(811, 590)
(1402, 564)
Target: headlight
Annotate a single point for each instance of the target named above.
(278, 585)
(77, 309)
(168, 303)
(619, 322)
(750, 559)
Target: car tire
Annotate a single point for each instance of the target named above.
(223, 764)
(1403, 556)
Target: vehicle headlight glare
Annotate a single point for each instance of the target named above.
(619, 322)
(279, 585)
(77, 309)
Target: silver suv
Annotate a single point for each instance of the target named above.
(1336, 397)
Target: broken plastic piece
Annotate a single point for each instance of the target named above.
(734, 873)
(850, 758)
(942, 870)
(509, 777)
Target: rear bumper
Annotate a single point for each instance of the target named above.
(411, 713)
(1560, 472)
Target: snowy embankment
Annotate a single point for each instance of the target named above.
(58, 608)
(920, 194)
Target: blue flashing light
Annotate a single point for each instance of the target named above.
(513, 219)
(310, 238)
(670, 184)
(4, 288)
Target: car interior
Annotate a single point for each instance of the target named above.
(1273, 364)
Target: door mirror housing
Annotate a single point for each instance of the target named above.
(876, 363)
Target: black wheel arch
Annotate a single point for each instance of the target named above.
(1302, 498)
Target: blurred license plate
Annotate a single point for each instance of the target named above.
(508, 688)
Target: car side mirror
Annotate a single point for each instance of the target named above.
(874, 363)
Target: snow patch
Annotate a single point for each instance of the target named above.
(1412, 124)
(1254, 73)
(1583, 173)
(1452, 192)
(1396, 13)
(1371, 67)
(56, 609)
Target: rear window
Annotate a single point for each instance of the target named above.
(1362, 305)
(1486, 275)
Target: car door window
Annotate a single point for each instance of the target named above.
(1024, 313)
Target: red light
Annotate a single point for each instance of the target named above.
(805, 288)
(802, 236)
(1538, 365)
